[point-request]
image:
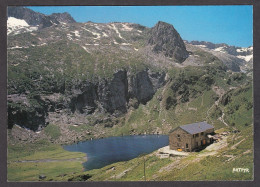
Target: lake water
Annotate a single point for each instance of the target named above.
(102, 152)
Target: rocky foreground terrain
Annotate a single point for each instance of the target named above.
(70, 81)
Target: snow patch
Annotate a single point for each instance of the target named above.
(219, 49)
(14, 22)
(42, 44)
(126, 44)
(244, 49)
(126, 27)
(91, 44)
(94, 33)
(241, 50)
(114, 27)
(76, 33)
(136, 49)
(69, 36)
(85, 48)
(17, 26)
(98, 28)
(204, 46)
(104, 34)
(115, 42)
(53, 23)
(246, 58)
(16, 47)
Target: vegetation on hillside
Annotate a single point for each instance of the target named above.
(27, 162)
(47, 74)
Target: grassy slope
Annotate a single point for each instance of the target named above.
(238, 153)
(191, 103)
(146, 118)
(41, 150)
(185, 99)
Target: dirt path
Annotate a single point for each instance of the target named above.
(50, 160)
(216, 103)
(220, 93)
(222, 118)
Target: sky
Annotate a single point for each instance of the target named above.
(232, 25)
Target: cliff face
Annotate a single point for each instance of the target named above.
(31, 115)
(111, 96)
(114, 95)
(167, 40)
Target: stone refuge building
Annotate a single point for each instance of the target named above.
(191, 136)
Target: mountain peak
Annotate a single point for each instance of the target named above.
(38, 19)
(163, 23)
(63, 17)
(167, 40)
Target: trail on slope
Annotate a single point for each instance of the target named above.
(50, 160)
(220, 92)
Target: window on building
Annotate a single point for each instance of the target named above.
(178, 137)
(187, 145)
(202, 133)
(197, 135)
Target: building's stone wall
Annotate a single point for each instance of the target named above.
(180, 139)
(180, 142)
(197, 141)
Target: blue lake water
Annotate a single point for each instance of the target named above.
(102, 152)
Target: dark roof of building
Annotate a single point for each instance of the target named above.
(195, 128)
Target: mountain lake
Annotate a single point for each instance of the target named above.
(102, 152)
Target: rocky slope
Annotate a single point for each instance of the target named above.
(34, 20)
(167, 40)
(238, 58)
(95, 80)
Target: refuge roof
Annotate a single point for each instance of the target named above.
(195, 128)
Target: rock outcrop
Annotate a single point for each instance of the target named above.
(29, 113)
(114, 95)
(165, 39)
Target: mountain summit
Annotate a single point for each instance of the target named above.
(167, 40)
(38, 19)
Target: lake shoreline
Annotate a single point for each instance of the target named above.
(98, 138)
(105, 151)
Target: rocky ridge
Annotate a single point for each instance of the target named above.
(35, 19)
(238, 58)
(166, 39)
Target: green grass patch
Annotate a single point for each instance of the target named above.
(41, 151)
(53, 131)
(31, 171)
